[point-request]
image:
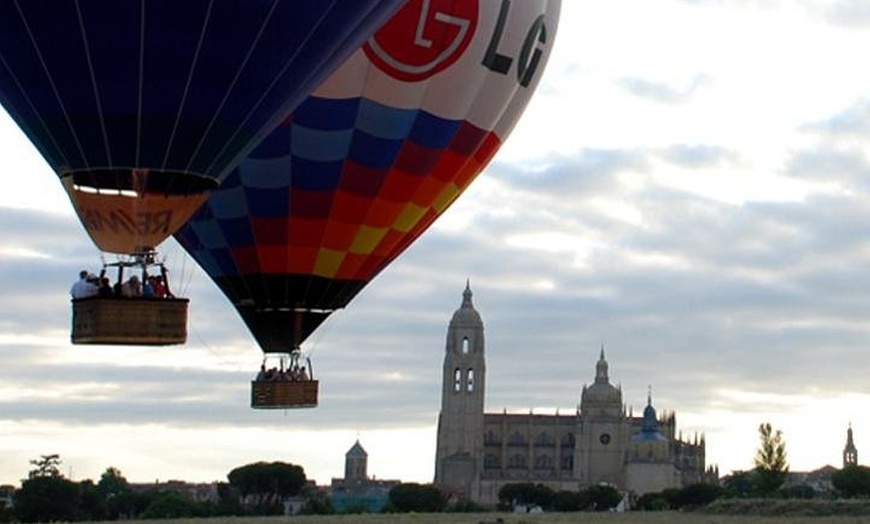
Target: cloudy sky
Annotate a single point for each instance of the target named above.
(690, 187)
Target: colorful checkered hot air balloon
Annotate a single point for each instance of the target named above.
(369, 161)
(142, 106)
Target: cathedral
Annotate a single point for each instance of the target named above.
(478, 452)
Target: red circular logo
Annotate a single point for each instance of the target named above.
(423, 38)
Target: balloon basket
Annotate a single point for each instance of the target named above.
(266, 394)
(129, 321)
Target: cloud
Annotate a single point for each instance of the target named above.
(850, 122)
(853, 14)
(662, 92)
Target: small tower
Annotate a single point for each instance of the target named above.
(651, 467)
(356, 463)
(850, 452)
(460, 423)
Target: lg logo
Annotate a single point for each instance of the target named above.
(423, 38)
(428, 36)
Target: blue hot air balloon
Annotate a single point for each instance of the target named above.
(142, 106)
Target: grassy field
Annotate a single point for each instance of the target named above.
(510, 518)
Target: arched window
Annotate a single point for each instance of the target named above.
(568, 463)
(457, 380)
(465, 345)
(491, 439)
(568, 440)
(543, 439)
(517, 461)
(490, 461)
(469, 383)
(543, 462)
(517, 439)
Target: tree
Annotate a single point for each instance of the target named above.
(852, 481)
(801, 491)
(565, 501)
(91, 504)
(228, 500)
(513, 494)
(47, 499)
(45, 495)
(420, 498)
(465, 505)
(653, 501)
(602, 498)
(167, 505)
(738, 484)
(112, 483)
(46, 466)
(771, 464)
(316, 502)
(696, 495)
(120, 500)
(266, 484)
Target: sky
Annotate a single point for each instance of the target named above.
(689, 187)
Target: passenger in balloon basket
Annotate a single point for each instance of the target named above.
(85, 286)
(157, 286)
(106, 290)
(272, 374)
(147, 288)
(297, 373)
(132, 287)
(294, 372)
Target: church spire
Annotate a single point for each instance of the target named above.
(466, 314)
(650, 421)
(466, 295)
(601, 376)
(850, 452)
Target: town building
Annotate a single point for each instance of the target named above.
(195, 491)
(356, 492)
(478, 452)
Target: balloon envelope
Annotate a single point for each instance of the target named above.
(141, 107)
(369, 161)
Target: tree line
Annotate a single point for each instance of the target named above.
(261, 488)
(46, 495)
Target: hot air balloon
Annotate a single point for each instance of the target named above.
(142, 107)
(368, 162)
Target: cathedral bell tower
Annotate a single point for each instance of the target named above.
(460, 423)
(604, 436)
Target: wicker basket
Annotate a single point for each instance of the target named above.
(129, 321)
(267, 394)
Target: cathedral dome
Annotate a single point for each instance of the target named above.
(602, 391)
(602, 394)
(466, 314)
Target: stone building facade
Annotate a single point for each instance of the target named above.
(478, 453)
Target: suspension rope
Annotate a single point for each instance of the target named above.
(187, 84)
(51, 83)
(235, 80)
